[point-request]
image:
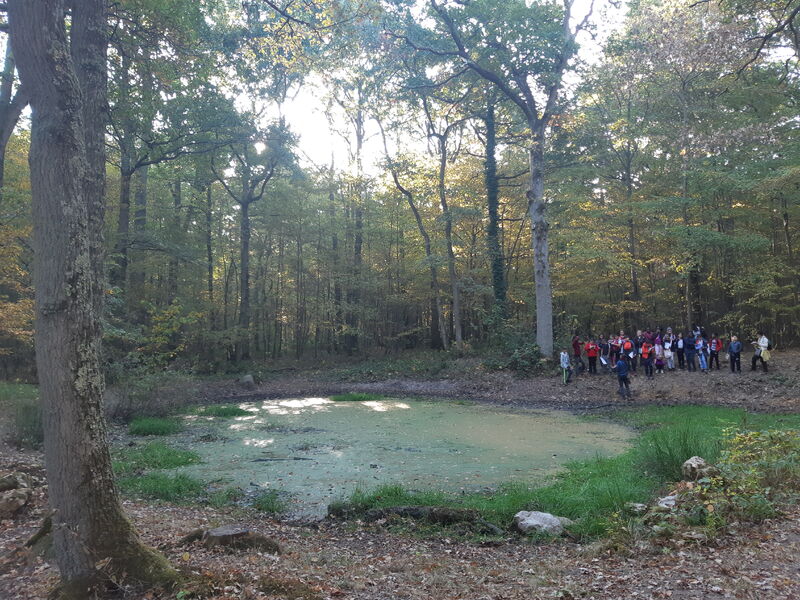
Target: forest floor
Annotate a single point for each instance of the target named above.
(359, 561)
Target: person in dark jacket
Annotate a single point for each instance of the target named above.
(735, 354)
(622, 376)
(714, 348)
(577, 350)
(690, 351)
(680, 350)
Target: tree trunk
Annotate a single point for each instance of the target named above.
(493, 241)
(67, 179)
(448, 236)
(541, 262)
(139, 227)
(243, 345)
(11, 107)
(119, 272)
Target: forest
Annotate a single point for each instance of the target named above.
(286, 287)
(491, 170)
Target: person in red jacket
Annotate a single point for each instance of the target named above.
(647, 359)
(592, 350)
(577, 349)
(714, 348)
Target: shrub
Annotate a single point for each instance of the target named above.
(154, 426)
(222, 411)
(269, 502)
(149, 394)
(154, 455)
(175, 488)
(355, 397)
(26, 424)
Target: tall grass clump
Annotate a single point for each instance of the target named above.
(20, 401)
(223, 411)
(356, 397)
(269, 502)
(158, 486)
(154, 426)
(155, 455)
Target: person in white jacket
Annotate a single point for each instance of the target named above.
(761, 352)
(566, 369)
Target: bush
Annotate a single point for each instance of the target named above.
(511, 348)
(176, 488)
(149, 394)
(355, 397)
(222, 411)
(269, 502)
(26, 424)
(154, 426)
(154, 455)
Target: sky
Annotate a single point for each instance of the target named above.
(305, 112)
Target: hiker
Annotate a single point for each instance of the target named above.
(680, 350)
(592, 352)
(605, 349)
(580, 367)
(659, 355)
(714, 347)
(669, 356)
(701, 348)
(689, 353)
(735, 354)
(566, 369)
(638, 341)
(615, 346)
(762, 352)
(622, 377)
(647, 359)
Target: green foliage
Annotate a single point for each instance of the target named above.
(154, 426)
(356, 397)
(158, 486)
(20, 401)
(664, 451)
(221, 498)
(222, 411)
(165, 339)
(270, 502)
(154, 455)
(511, 347)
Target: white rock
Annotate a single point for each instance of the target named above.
(538, 522)
(667, 501)
(635, 508)
(247, 381)
(697, 468)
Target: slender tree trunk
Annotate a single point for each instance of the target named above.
(243, 345)
(11, 107)
(455, 286)
(541, 253)
(174, 266)
(493, 240)
(139, 227)
(67, 181)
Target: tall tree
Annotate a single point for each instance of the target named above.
(66, 80)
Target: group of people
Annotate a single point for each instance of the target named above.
(658, 352)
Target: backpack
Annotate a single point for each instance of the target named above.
(627, 346)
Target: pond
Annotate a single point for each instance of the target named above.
(317, 450)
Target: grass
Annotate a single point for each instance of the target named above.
(154, 426)
(154, 455)
(223, 411)
(221, 498)
(590, 492)
(269, 502)
(356, 397)
(159, 486)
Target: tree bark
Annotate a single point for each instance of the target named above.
(539, 230)
(66, 178)
(139, 228)
(493, 241)
(448, 236)
(11, 107)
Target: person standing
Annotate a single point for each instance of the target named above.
(714, 348)
(577, 351)
(669, 350)
(616, 346)
(647, 359)
(680, 350)
(592, 351)
(689, 351)
(605, 349)
(621, 368)
(700, 347)
(762, 352)
(566, 369)
(637, 342)
(735, 354)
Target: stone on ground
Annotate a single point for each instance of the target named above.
(538, 522)
(233, 537)
(697, 468)
(247, 381)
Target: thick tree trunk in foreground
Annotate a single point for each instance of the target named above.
(541, 260)
(66, 159)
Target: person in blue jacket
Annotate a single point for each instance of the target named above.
(622, 370)
(690, 352)
(735, 354)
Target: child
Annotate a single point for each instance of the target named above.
(700, 348)
(647, 359)
(566, 370)
(714, 347)
(622, 377)
(735, 354)
(660, 362)
(680, 350)
(592, 352)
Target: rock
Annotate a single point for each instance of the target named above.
(635, 508)
(14, 481)
(667, 502)
(247, 381)
(13, 500)
(538, 522)
(565, 522)
(697, 468)
(238, 538)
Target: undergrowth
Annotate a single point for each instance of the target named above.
(159, 486)
(222, 410)
(154, 455)
(355, 397)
